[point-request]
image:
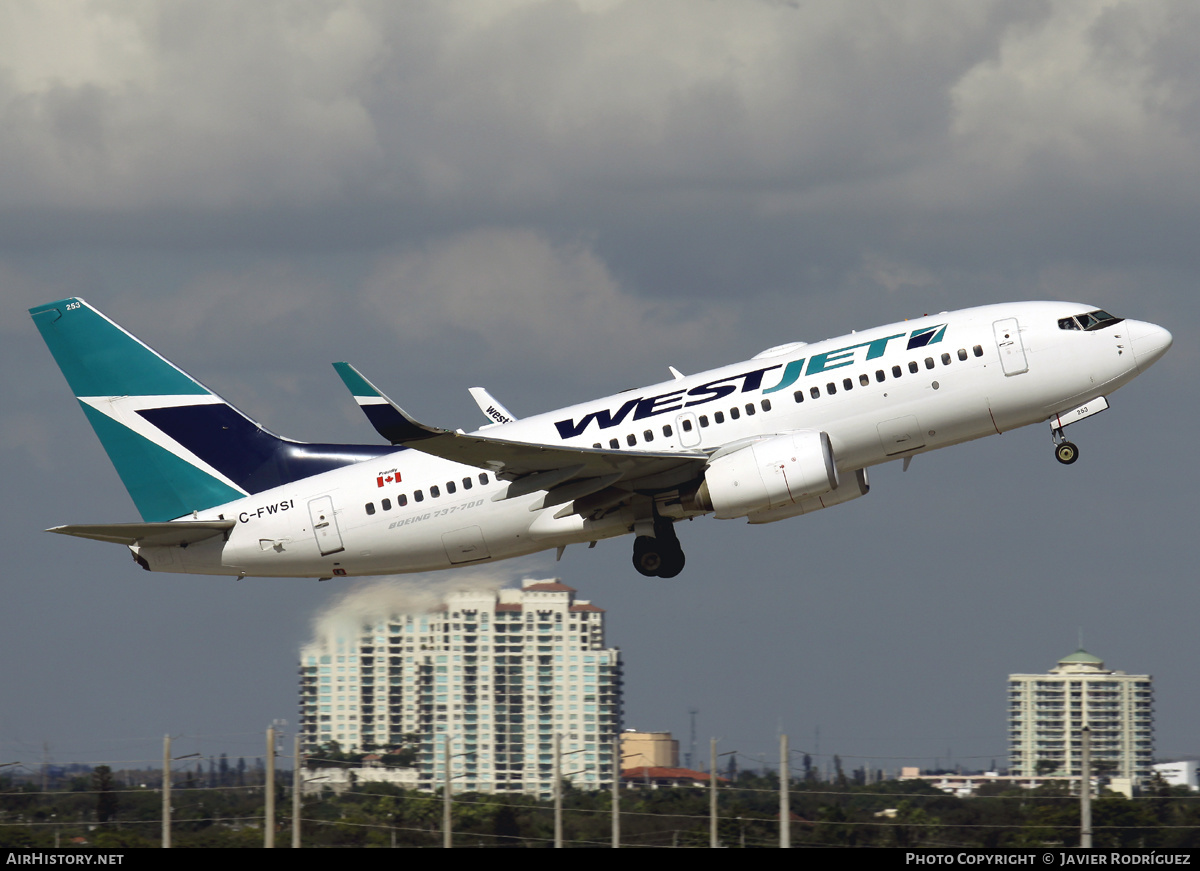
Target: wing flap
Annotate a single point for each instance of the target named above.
(178, 532)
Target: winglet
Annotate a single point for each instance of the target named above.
(390, 420)
(492, 410)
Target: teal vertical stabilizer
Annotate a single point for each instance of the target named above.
(177, 446)
(109, 371)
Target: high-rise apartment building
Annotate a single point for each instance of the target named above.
(498, 673)
(1046, 713)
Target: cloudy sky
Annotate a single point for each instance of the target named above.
(556, 200)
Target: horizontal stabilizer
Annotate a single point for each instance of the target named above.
(179, 532)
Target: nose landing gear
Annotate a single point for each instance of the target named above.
(659, 555)
(1064, 451)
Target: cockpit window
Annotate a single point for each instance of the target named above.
(1096, 320)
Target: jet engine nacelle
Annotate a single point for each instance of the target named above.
(768, 474)
(846, 491)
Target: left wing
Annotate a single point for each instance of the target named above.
(568, 473)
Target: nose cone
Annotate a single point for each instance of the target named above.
(1149, 342)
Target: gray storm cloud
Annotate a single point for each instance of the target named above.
(139, 106)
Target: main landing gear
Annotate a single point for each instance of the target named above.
(659, 555)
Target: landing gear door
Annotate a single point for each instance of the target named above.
(1008, 342)
(325, 527)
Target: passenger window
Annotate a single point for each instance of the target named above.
(434, 491)
(418, 496)
(596, 446)
(912, 366)
(814, 392)
(667, 429)
(798, 395)
(864, 380)
(766, 405)
(704, 420)
(483, 479)
(467, 484)
(719, 416)
(962, 353)
(879, 375)
(896, 371)
(370, 508)
(928, 362)
(450, 488)
(977, 350)
(945, 359)
(831, 388)
(631, 440)
(385, 504)
(647, 435)
(750, 409)
(401, 500)
(847, 384)
(734, 414)
(614, 444)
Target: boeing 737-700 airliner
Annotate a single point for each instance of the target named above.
(790, 431)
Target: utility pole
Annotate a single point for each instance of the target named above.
(297, 788)
(269, 791)
(166, 792)
(1085, 790)
(447, 835)
(558, 825)
(785, 806)
(616, 793)
(712, 793)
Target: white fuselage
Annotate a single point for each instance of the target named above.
(880, 394)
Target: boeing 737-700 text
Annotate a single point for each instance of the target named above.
(790, 431)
